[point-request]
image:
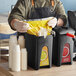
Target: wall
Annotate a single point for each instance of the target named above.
(69, 4)
(5, 5)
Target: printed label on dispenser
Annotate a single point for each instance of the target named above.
(66, 54)
(44, 61)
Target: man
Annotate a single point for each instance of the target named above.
(35, 9)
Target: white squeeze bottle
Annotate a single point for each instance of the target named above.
(24, 59)
(21, 42)
(12, 43)
(16, 59)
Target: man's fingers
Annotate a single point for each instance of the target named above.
(21, 26)
(60, 22)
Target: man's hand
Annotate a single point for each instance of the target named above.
(60, 22)
(52, 22)
(20, 26)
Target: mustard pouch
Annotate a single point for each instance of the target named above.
(37, 24)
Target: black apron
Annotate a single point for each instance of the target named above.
(41, 12)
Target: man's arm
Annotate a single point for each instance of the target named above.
(61, 12)
(17, 13)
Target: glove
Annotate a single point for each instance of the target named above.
(20, 26)
(52, 22)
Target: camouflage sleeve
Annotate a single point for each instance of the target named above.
(61, 11)
(18, 12)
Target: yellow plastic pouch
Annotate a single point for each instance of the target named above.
(37, 24)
